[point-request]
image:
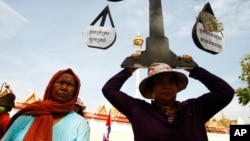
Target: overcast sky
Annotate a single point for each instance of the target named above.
(40, 37)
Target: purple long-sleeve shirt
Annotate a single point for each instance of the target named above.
(150, 123)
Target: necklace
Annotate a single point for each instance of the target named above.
(170, 111)
(167, 108)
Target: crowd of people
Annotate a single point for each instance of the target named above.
(59, 115)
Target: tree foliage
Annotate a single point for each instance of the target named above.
(243, 94)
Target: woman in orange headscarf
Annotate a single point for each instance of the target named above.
(53, 118)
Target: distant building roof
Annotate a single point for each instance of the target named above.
(30, 99)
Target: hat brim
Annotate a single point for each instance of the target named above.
(82, 106)
(8, 100)
(145, 86)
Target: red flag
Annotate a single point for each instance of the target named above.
(108, 128)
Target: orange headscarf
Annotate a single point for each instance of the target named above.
(41, 128)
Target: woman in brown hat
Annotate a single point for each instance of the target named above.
(79, 107)
(52, 118)
(165, 118)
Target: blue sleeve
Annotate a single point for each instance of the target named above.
(83, 132)
(18, 128)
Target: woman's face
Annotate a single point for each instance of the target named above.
(164, 88)
(64, 88)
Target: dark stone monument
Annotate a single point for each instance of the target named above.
(157, 44)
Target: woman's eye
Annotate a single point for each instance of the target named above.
(60, 82)
(157, 81)
(66, 83)
(70, 84)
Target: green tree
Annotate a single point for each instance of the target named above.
(243, 94)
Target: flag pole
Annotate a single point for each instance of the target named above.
(108, 127)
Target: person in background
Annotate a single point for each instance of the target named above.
(165, 118)
(7, 90)
(52, 118)
(79, 107)
(7, 102)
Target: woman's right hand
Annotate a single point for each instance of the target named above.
(131, 69)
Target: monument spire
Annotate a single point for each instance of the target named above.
(157, 45)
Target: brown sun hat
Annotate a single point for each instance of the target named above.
(145, 86)
(8, 100)
(80, 103)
